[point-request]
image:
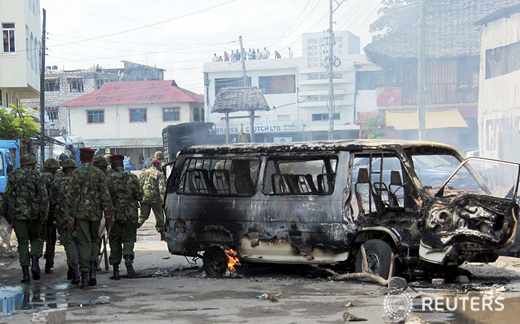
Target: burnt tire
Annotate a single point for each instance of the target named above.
(215, 261)
(379, 258)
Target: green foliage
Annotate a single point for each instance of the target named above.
(374, 127)
(18, 123)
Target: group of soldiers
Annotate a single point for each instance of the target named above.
(73, 202)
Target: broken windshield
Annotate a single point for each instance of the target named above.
(483, 176)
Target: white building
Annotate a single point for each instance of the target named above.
(297, 91)
(128, 117)
(19, 51)
(499, 98)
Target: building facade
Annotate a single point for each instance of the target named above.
(297, 91)
(128, 117)
(499, 99)
(19, 51)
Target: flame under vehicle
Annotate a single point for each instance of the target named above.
(319, 202)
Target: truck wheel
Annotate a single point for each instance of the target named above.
(379, 257)
(215, 261)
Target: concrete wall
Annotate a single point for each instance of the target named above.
(499, 97)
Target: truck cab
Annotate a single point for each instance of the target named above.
(9, 161)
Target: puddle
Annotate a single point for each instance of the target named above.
(31, 299)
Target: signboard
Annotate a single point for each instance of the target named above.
(389, 96)
(261, 127)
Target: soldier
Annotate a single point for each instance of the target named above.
(160, 156)
(126, 193)
(91, 198)
(26, 201)
(65, 218)
(154, 186)
(50, 175)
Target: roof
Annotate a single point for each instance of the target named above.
(501, 13)
(318, 146)
(135, 92)
(450, 32)
(123, 142)
(239, 99)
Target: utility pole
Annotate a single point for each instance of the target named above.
(244, 81)
(421, 72)
(42, 92)
(331, 74)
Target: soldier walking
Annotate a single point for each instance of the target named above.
(65, 218)
(91, 198)
(126, 193)
(50, 175)
(26, 202)
(153, 183)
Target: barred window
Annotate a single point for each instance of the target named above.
(95, 116)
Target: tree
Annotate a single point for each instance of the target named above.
(385, 23)
(374, 127)
(17, 122)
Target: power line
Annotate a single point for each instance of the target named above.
(292, 24)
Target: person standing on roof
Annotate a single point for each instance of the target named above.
(91, 199)
(126, 193)
(153, 183)
(26, 203)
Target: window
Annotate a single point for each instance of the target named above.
(300, 176)
(8, 38)
(2, 172)
(52, 113)
(99, 83)
(95, 116)
(171, 114)
(502, 60)
(137, 115)
(52, 85)
(324, 117)
(368, 80)
(277, 84)
(76, 85)
(230, 82)
(219, 176)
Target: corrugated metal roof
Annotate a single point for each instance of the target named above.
(135, 92)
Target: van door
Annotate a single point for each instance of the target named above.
(301, 215)
(3, 172)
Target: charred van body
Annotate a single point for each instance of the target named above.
(317, 203)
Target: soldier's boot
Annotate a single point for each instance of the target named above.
(84, 280)
(163, 236)
(35, 269)
(69, 272)
(26, 277)
(129, 267)
(92, 274)
(75, 274)
(116, 275)
(48, 267)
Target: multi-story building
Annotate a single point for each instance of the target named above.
(128, 117)
(297, 91)
(64, 85)
(19, 51)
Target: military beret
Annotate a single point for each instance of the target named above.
(156, 161)
(117, 157)
(87, 150)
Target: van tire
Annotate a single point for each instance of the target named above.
(379, 258)
(215, 261)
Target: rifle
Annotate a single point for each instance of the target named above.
(72, 234)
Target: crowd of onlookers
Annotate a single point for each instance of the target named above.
(251, 54)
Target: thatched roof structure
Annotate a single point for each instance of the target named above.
(451, 29)
(239, 99)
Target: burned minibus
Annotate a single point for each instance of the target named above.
(319, 202)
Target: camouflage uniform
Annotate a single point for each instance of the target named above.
(26, 201)
(91, 198)
(125, 192)
(60, 194)
(153, 183)
(50, 175)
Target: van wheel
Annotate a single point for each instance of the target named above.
(215, 261)
(379, 257)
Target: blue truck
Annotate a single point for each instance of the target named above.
(9, 161)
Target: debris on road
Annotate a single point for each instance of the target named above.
(347, 317)
(270, 297)
(53, 316)
(103, 300)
